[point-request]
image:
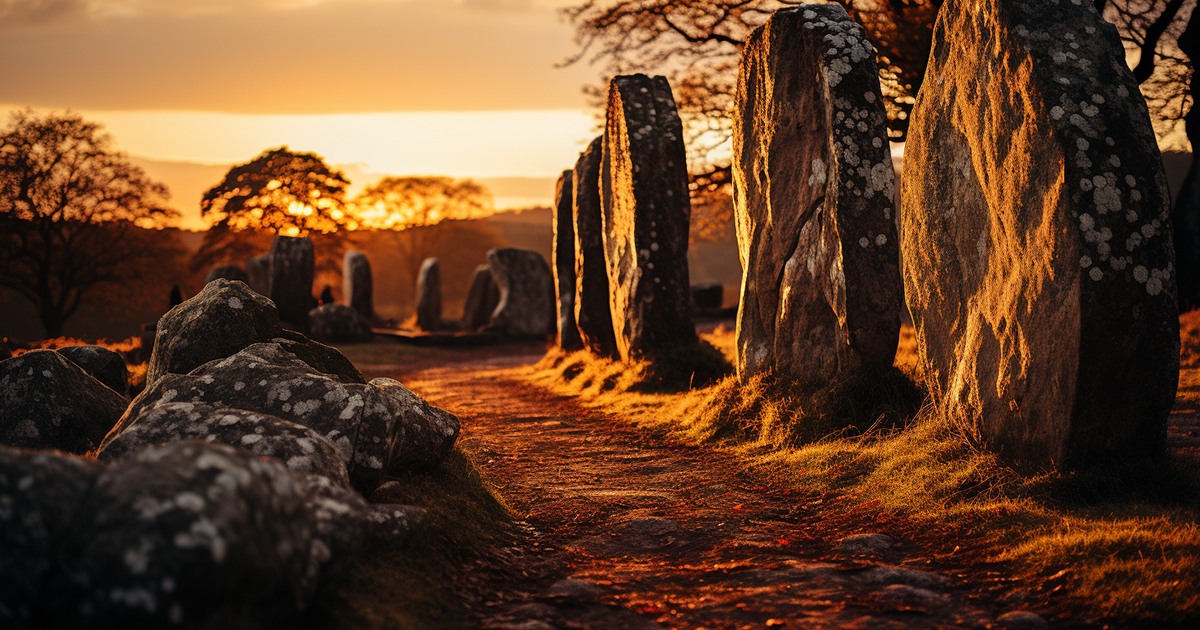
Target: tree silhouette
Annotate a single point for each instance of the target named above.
(280, 192)
(74, 215)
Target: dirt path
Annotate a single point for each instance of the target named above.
(631, 531)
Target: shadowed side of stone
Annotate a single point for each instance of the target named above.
(429, 295)
(1044, 299)
(593, 315)
(48, 402)
(526, 307)
(563, 264)
(646, 214)
(813, 199)
(483, 297)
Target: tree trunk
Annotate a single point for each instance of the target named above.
(1185, 216)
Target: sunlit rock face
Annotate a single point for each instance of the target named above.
(563, 264)
(376, 428)
(646, 212)
(429, 295)
(48, 402)
(526, 307)
(358, 288)
(1038, 261)
(338, 323)
(813, 200)
(592, 314)
(482, 298)
(292, 261)
(102, 364)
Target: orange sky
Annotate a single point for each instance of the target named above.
(458, 87)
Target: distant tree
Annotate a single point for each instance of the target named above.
(76, 217)
(280, 192)
(421, 213)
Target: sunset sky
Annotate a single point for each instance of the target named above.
(457, 87)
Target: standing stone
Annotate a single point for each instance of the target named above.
(1038, 261)
(258, 274)
(526, 293)
(229, 272)
(292, 266)
(646, 210)
(813, 199)
(593, 316)
(482, 299)
(563, 257)
(338, 323)
(429, 295)
(357, 286)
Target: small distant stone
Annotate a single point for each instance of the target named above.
(1021, 620)
(865, 543)
(905, 597)
(575, 591)
(896, 575)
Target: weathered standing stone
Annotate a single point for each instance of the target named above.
(48, 402)
(813, 198)
(338, 323)
(646, 211)
(258, 274)
(1038, 261)
(102, 364)
(292, 268)
(229, 272)
(429, 295)
(482, 299)
(563, 257)
(593, 316)
(526, 306)
(358, 289)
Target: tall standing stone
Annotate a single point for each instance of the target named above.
(429, 295)
(482, 298)
(258, 274)
(292, 266)
(1038, 261)
(357, 286)
(646, 212)
(526, 306)
(813, 199)
(593, 316)
(563, 256)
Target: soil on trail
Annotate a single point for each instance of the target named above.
(627, 530)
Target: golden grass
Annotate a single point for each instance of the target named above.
(1127, 539)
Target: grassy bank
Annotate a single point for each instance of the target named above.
(1123, 543)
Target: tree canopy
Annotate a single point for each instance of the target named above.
(74, 215)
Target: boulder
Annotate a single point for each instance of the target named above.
(429, 295)
(482, 299)
(102, 364)
(217, 322)
(258, 274)
(593, 316)
(646, 211)
(40, 496)
(357, 287)
(526, 306)
(319, 357)
(48, 402)
(228, 272)
(1037, 240)
(338, 323)
(292, 267)
(563, 257)
(375, 428)
(813, 200)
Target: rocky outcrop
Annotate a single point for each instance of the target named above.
(357, 286)
(1043, 299)
(102, 364)
(813, 199)
(646, 211)
(593, 316)
(292, 266)
(228, 272)
(482, 299)
(563, 264)
(526, 307)
(429, 295)
(338, 323)
(48, 402)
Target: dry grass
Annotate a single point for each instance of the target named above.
(1125, 541)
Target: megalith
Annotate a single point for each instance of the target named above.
(526, 293)
(593, 316)
(813, 199)
(429, 295)
(563, 258)
(357, 286)
(258, 274)
(646, 212)
(1036, 236)
(292, 262)
(482, 298)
